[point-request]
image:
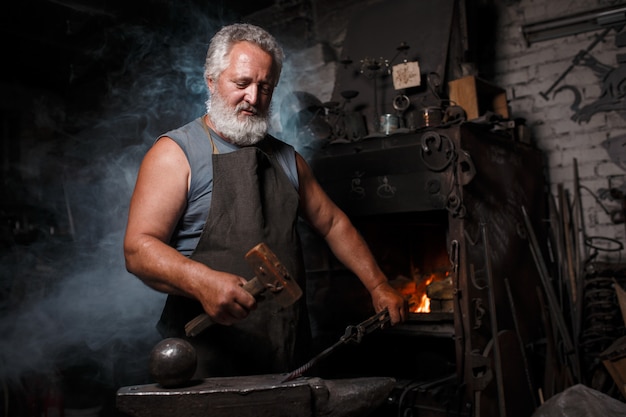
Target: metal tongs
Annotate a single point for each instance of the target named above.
(353, 334)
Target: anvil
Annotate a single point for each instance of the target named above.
(257, 396)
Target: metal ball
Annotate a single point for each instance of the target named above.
(173, 362)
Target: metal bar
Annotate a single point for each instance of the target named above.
(494, 323)
(529, 381)
(557, 235)
(579, 236)
(352, 334)
(573, 24)
(567, 239)
(556, 313)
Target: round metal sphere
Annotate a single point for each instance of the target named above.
(173, 362)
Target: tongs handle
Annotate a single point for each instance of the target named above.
(352, 334)
(377, 321)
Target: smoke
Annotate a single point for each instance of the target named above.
(67, 300)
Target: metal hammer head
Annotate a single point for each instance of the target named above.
(273, 275)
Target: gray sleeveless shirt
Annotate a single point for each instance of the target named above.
(193, 140)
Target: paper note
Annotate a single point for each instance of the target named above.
(406, 75)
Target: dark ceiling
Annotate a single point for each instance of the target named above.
(56, 44)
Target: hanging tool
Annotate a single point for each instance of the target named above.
(579, 56)
(353, 334)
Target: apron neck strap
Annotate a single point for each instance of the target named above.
(208, 133)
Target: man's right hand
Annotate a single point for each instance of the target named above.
(225, 300)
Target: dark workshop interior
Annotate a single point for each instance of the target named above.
(451, 146)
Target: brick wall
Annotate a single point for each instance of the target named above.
(595, 146)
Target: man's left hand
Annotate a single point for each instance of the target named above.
(385, 296)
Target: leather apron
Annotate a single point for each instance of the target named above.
(253, 201)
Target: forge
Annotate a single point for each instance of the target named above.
(443, 211)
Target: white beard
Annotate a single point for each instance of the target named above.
(227, 123)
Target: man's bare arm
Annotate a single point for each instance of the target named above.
(346, 242)
(157, 203)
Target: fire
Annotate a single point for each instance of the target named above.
(422, 302)
(415, 292)
(423, 306)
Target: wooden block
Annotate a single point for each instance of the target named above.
(477, 96)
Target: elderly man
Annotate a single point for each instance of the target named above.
(209, 191)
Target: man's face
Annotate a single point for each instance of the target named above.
(241, 96)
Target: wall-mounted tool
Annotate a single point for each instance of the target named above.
(577, 59)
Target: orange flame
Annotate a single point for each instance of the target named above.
(416, 295)
(422, 302)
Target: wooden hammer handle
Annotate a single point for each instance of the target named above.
(202, 321)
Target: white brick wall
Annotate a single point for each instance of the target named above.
(526, 70)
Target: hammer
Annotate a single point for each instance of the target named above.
(270, 277)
